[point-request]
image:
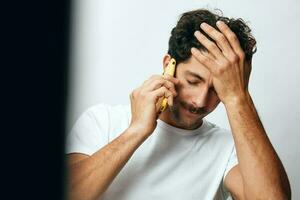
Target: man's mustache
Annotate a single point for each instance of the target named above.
(191, 108)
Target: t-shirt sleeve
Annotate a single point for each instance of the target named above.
(89, 133)
(233, 161)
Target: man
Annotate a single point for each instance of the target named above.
(134, 152)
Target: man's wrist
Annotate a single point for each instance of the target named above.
(239, 100)
(136, 131)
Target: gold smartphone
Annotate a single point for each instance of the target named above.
(162, 103)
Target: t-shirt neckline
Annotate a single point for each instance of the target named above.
(200, 130)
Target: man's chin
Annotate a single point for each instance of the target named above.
(191, 123)
(188, 120)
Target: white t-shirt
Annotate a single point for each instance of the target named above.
(172, 163)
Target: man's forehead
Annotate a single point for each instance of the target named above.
(194, 68)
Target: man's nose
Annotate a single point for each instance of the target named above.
(200, 99)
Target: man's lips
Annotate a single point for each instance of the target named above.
(193, 111)
(191, 114)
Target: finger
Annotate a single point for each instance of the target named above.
(170, 100)
(160, 92)
(209, 63)
(166, 76)
(218, 37)
(207, 54)
(171, 78)
(151, 78)
(209, 45)
(159, 83)
(231, 37)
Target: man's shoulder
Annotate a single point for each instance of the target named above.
(217, 130)
(97, 126)
(107, 110)
(110, 115)
(219, 137)
(107, 118)
(104, 106)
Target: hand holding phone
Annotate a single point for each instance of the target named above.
(152, 98)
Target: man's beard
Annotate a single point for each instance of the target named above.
(183, 121)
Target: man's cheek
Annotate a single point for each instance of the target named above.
(176, 99)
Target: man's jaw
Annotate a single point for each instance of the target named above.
(184, 118)
(183, 115)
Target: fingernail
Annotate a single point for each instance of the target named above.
(176, 81)
(197, 33)
(220, 23)
(203, 25)
(193, 50)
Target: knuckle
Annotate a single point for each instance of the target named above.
(168, 94)
(233, 59)
(133, 93)
(214, 47)
(211, 46)
(164, 88)
(242, 55)
(152, 97)
(220, 70)
(171, 79)
(165, 79)
(221, 37)
(153, 76)
(232, 37)
(167, 76)
(157, 81)
(170, 84)
(226, 64)
(142, 94)
(205, 59)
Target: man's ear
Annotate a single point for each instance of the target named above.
(166, 60)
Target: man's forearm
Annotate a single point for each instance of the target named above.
(262, 171)
(90, 177)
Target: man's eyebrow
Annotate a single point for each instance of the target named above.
(194, 74)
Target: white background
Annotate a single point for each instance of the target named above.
(116, 45)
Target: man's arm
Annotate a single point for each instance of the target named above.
(259, 174)
(90, 176)
(260, 171)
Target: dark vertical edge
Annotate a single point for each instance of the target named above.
(59, 70)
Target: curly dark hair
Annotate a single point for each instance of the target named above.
(182, 35)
